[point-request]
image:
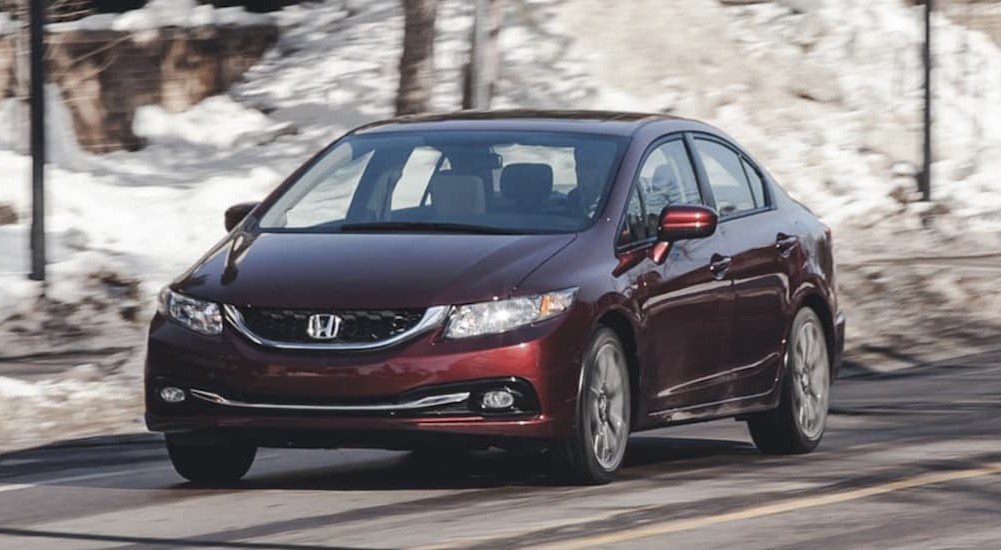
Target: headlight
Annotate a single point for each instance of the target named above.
(504, 315)
(198, 315)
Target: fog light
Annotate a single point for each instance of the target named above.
(497, 400)
(170, 394)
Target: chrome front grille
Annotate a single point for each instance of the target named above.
(356, 326)
(356, 329)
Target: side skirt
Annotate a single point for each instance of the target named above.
(734, 407)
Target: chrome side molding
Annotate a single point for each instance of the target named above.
(417, 404)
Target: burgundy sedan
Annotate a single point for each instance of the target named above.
(536, 280)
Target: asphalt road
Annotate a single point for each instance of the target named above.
(911, 460)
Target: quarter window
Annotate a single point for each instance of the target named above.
(634, 227)
(726, 178)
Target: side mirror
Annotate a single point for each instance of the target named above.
(236, 213)
(680, 222)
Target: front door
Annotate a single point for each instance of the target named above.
(686, 301)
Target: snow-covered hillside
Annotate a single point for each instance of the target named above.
(828, 100)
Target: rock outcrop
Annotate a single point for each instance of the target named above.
(105, 75)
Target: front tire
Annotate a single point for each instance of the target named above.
(798, 424)
(210, 464)
(595, 450)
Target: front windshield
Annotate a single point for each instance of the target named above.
(502, 182)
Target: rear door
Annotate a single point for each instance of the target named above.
(686, 303)
(763, 251)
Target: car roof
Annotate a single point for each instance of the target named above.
(618, 123)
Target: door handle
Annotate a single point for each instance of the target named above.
(719, 265)
(785, 244)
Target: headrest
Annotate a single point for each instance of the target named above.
(664, 172)
(453, 195)
(666, 183)
(527, 184)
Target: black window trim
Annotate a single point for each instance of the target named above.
(634, 186)
(769, 196)
(635, 245)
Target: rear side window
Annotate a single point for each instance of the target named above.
(726, 178)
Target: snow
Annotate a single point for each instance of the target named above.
(7, 26)
(233, 125)
(164, 13)
(31, 412)
(12, 387)
(846, 152)
(858, 57)
(9, 112)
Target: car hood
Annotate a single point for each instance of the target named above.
(366, 271)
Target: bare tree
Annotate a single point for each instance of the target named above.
(480, 74)
(417, 61)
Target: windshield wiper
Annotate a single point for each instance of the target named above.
(437, 227)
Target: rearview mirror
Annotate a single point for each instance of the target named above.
(236, 213)
(678, 222)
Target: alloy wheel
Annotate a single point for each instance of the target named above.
(811, 380)
(608, 407)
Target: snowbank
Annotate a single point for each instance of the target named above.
(7, 25)
(164, 13)
(828, 99)
(231, 125)
(35, 412)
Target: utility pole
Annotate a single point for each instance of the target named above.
(925, 183)
(36, 24)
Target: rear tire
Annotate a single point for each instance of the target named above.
(797, 425)
(597, 445)
(210, 464)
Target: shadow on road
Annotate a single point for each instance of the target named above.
(487, 469)
(350, 470)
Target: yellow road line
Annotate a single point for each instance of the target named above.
(780, 507)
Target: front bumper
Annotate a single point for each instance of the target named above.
(390, 398)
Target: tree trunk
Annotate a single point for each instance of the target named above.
(417, 61)
(480, 74)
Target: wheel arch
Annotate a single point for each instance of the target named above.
(819, 305)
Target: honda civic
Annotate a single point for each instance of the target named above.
(547, 280)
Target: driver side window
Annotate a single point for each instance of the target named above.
(665, 178)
